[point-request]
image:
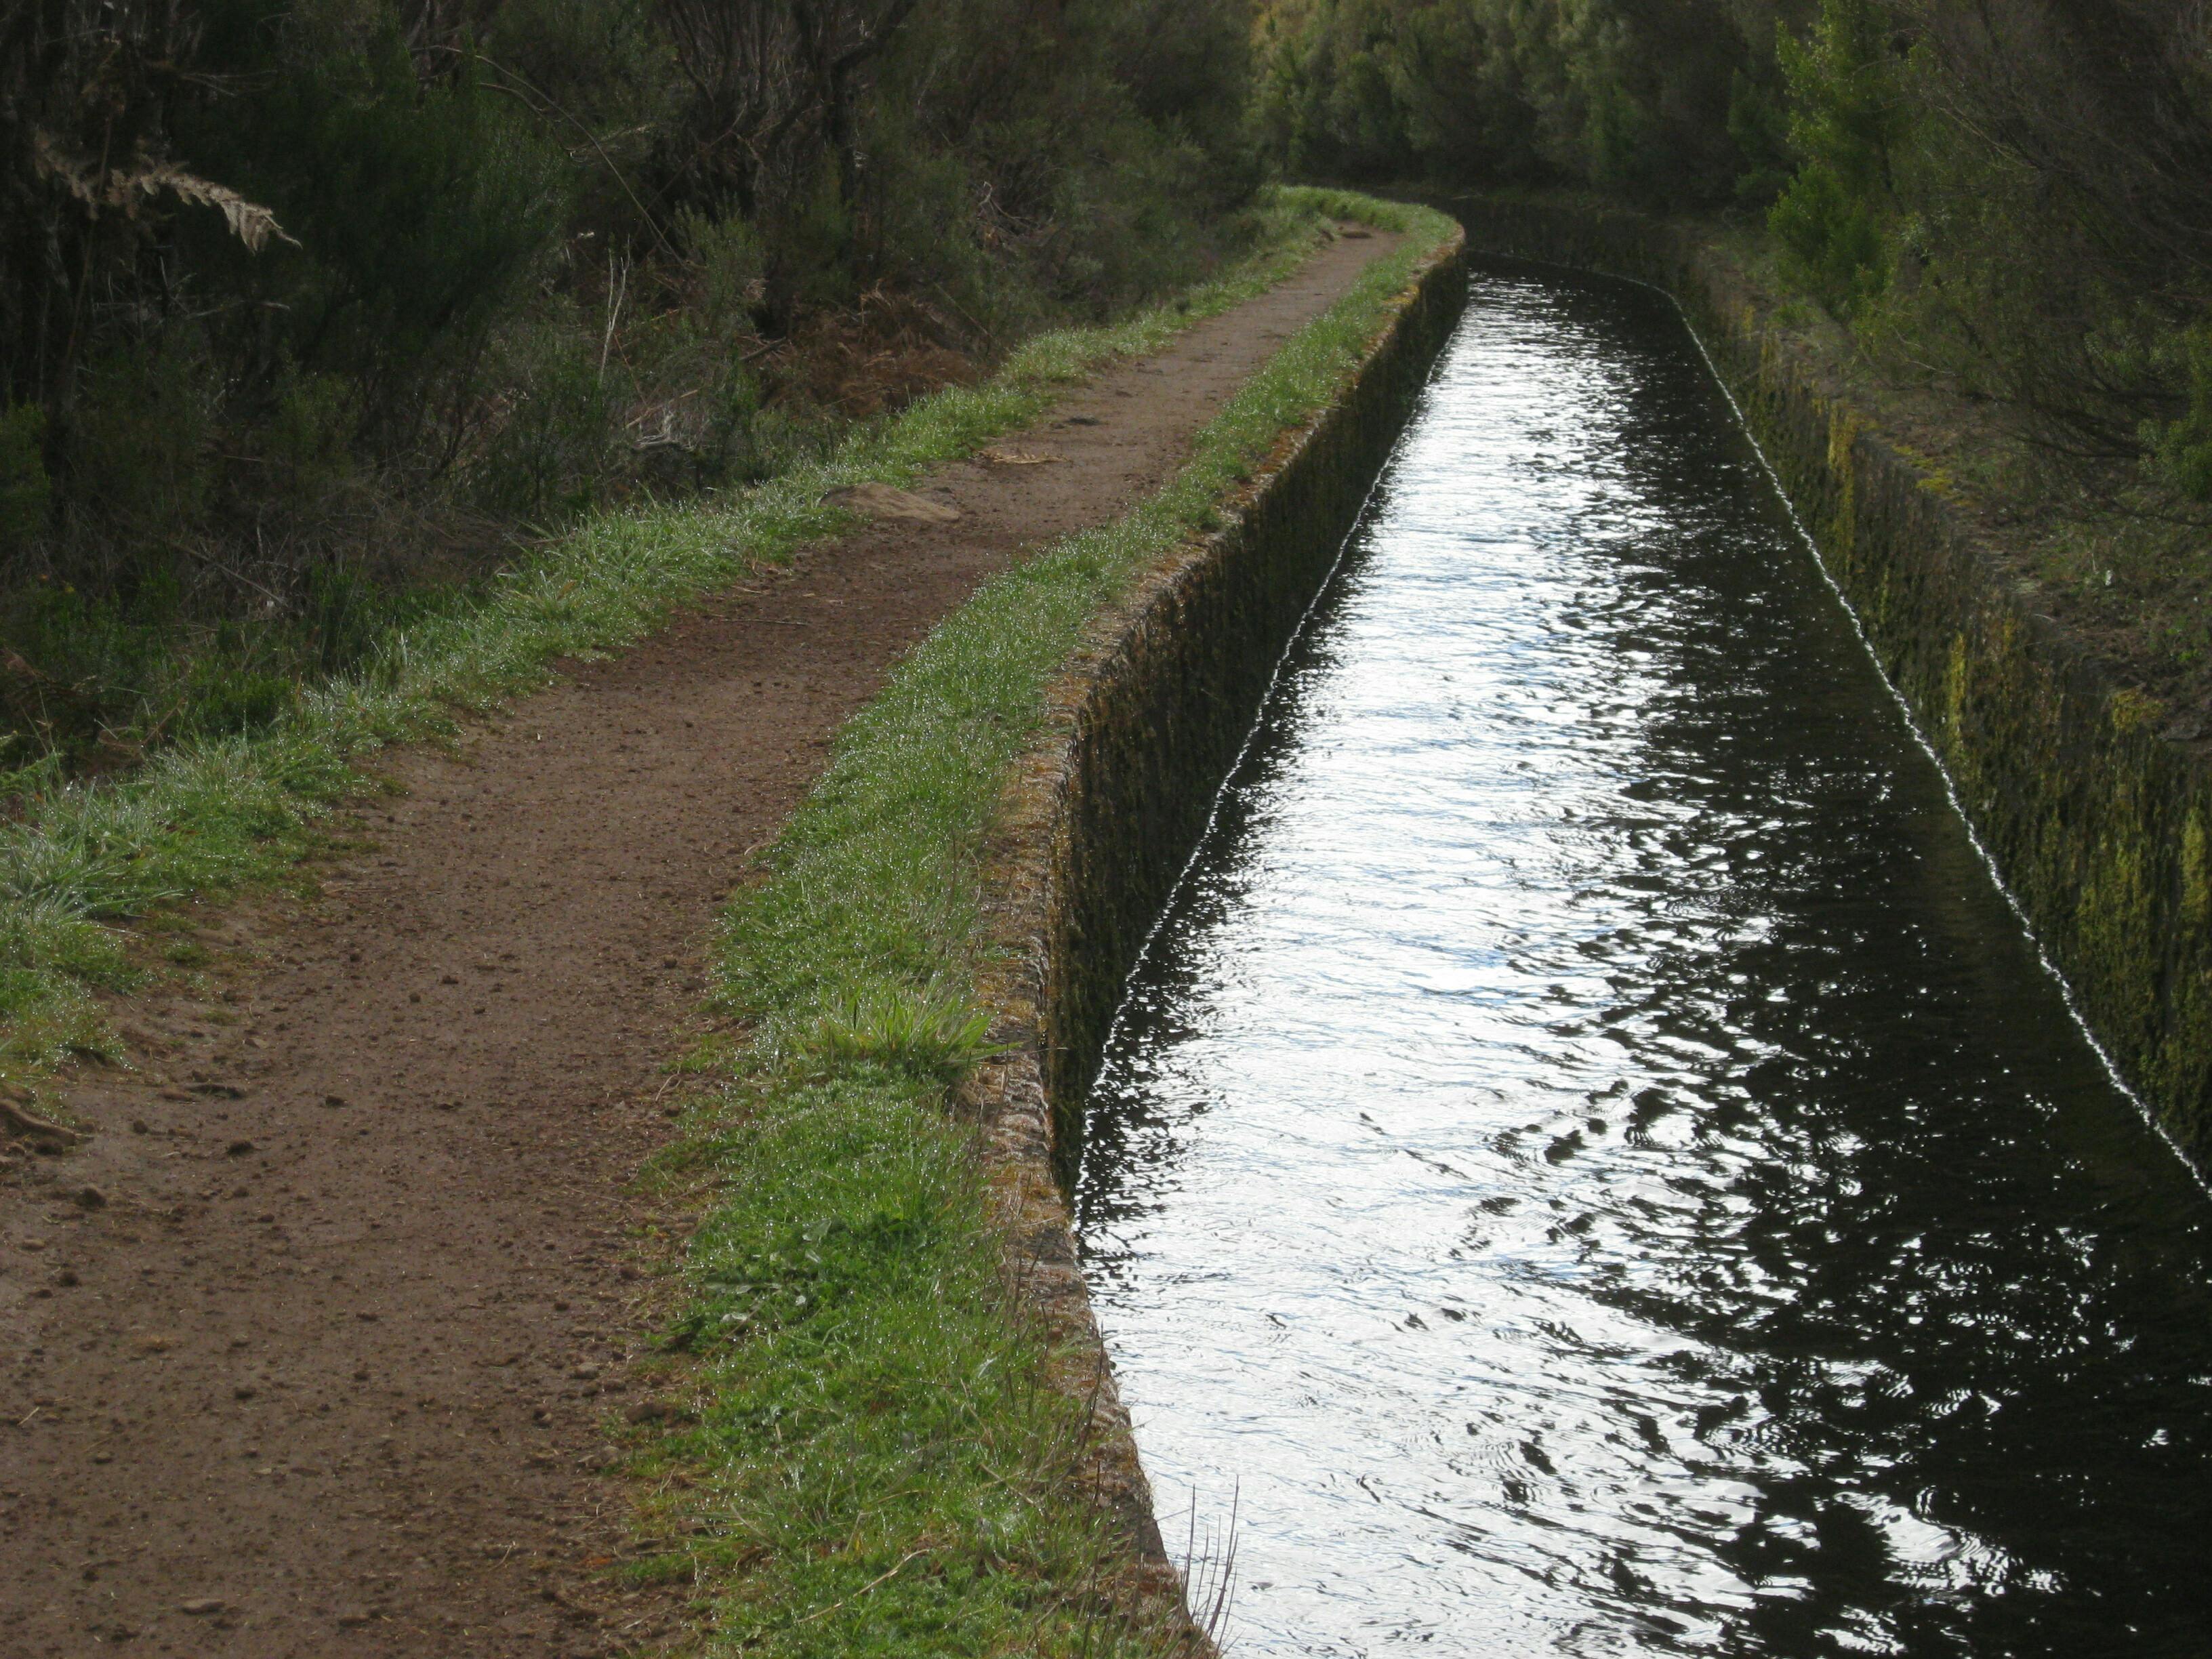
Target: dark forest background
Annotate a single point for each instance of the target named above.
(312, 310)
(2005, 204)
(2019, 193)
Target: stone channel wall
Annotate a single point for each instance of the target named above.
(2097, 821)
(1101, 816)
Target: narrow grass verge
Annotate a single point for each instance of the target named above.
(878, 1465)
(212, 817)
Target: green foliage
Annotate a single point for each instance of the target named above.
(1086, 151)
(138, 439)
(224, 697)
(1844, 97)
(550, 450)
(26, 491)
(344, 619)
(732, 263)
(381, 287)
(308, 442)
(1846, 118)
(1989, 195)
(601, 61)
(1626, 95)
(419, 207)
(1621, 136)
(2180, 448)
(1834, 234)
(1759, 126)
(1367, 87)
(809, 261)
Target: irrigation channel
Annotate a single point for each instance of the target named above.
(1590, 1164)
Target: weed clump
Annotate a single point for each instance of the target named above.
(931, 1031)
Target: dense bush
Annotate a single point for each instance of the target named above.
(1632, 95)
(1847, 113)
(2015, 200)
(309, 308)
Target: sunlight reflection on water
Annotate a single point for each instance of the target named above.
(1590, 1157)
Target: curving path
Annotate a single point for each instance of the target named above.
(310, 1350)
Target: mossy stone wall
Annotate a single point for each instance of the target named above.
(2098, 824)
(1160, 714)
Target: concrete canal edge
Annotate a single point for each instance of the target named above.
(1102, 814)
(2101, 826)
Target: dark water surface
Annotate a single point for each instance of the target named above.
(1591, 1161)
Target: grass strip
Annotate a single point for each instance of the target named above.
(212, 817)
(879, 1465)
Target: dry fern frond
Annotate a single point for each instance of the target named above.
(119, 188)
(250, 222)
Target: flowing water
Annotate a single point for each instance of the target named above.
(1590, 1164)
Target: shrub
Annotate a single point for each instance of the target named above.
(225, 697)
(419, 209)
(308, 442)
(1832, 236)
(548, 452)
(138, 442)
(26, 491)
(1846, 118)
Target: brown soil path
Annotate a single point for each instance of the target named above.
(311, 1349)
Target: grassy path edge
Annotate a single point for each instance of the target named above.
(878, 1454)
(212, 817)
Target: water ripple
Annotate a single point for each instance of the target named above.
(1589, 1156)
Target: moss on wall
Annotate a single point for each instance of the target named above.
(1159, 714)
(2097, 823)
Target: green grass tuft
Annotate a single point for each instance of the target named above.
(931, 1031)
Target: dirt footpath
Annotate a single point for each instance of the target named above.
(312, 1349)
